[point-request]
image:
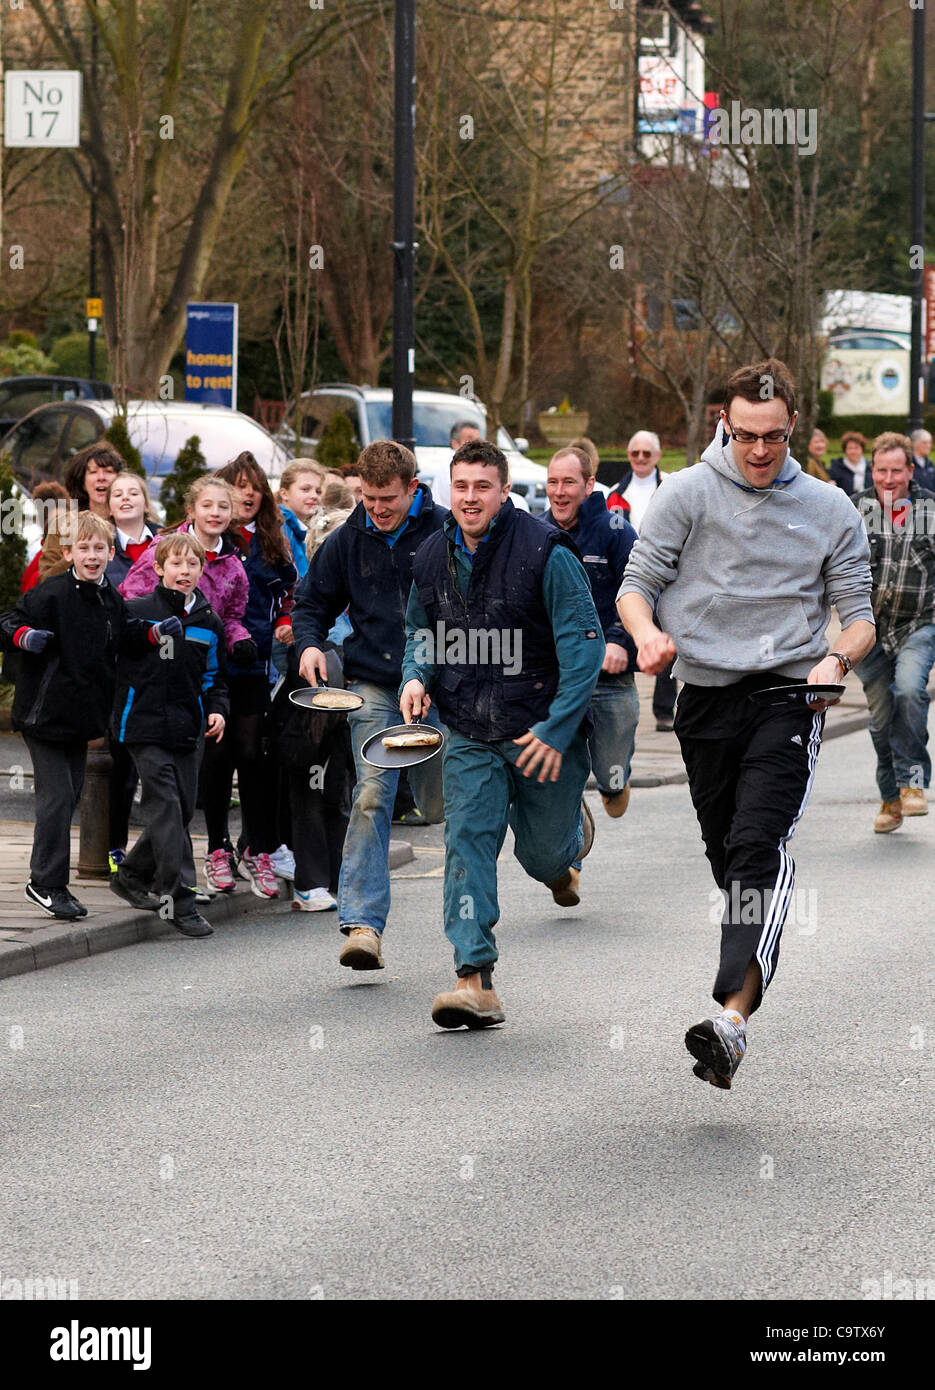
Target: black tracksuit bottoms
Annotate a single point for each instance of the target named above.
(58, 776)
(162, 859)
(750, 770)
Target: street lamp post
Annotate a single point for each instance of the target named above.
(92, 238)
(918, 216)
(404, 221)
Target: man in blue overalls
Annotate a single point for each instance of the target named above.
(501, 627)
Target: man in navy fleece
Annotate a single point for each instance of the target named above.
(366, 567)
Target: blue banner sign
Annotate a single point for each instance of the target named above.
(211, 354)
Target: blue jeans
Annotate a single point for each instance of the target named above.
(364, 884)
(484, 793)
(615, 705)
(896, 693)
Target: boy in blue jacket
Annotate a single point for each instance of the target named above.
(161, 710)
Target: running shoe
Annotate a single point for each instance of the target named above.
(218, 875)
(313, 900)
(192, 924)
(283, 862)
(133, 892)
(82, 910)
(55, 902)
(259, 873)
(719, 1045)
(115, 858)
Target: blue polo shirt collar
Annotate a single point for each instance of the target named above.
(391, 537)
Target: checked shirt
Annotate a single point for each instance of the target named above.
(902, 562)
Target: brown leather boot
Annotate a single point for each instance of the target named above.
(889, 817)
(616, 805)
(565, 889)
(913, 802)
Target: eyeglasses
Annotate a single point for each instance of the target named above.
(771, 437)
(641, 453)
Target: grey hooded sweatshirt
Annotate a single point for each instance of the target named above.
(745, 577)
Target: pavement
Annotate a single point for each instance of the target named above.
(239, 1118)
(30, 941)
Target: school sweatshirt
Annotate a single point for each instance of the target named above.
(745, 576)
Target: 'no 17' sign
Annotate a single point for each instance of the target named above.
(42, 109)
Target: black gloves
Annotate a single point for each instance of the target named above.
(244, 653)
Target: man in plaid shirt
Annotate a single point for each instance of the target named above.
(900, 520)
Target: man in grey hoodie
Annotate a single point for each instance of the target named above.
(744, 554)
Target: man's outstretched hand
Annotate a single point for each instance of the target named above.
(538, 754)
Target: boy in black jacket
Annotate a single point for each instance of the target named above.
(160, 711)
(68, 632)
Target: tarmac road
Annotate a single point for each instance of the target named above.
(240, 1118)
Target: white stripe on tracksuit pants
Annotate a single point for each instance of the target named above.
(750, 772)
(782, 893)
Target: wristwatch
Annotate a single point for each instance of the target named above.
(846, 663)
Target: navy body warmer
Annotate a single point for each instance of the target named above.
(498, 668)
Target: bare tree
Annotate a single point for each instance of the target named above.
(140, 117)
(517, 150)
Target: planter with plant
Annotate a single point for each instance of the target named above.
(562, 423)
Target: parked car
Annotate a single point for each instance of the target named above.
(21, 394)
(40, 445)
(370, 411)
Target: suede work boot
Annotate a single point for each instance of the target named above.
(471, 1006)
(889, 817)
(361, 950)
(913, 802)
(588, 825)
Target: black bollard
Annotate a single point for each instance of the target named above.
(94, 834)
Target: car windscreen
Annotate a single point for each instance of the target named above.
(17, 401)
(432, 422)
(160, 438)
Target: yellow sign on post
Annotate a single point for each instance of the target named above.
(95, 309)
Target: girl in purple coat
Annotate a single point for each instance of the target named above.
(209, 512)
(272, 577)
